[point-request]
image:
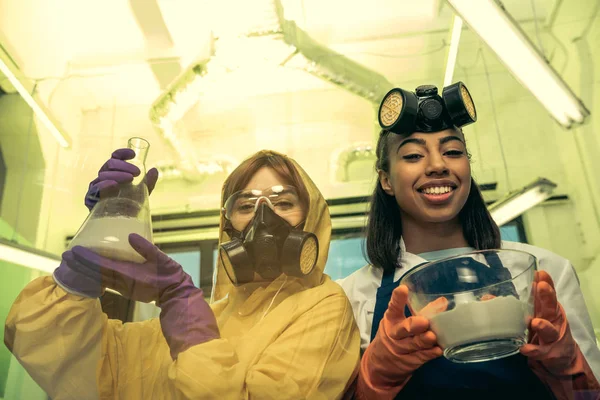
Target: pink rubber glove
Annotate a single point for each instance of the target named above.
(186, 318)
(401, 346)
(115, 171)
(552, 351)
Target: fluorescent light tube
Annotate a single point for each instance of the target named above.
(41, 114)
(31, 258)
(27, 257)
(453, 51)
(496, 27)
(516, 203)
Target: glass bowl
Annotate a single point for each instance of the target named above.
(488, 302)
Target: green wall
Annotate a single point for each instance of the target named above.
(15, 383)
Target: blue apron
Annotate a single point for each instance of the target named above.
(508, 378)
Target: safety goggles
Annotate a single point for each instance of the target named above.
(283, 199)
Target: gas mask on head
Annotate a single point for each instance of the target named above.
(404, 112)
(269, 246)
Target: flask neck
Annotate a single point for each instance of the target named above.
(140, 147)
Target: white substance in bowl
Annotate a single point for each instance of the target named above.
(501, 317)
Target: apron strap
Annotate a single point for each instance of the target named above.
(493, 260)
(384, 295)
(383, 299)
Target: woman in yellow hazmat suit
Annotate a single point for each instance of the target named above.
(277, 327)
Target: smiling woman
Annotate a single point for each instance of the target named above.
(425, 179)
(426, 207)
(429, 174)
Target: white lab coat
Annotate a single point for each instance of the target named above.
(361, 288)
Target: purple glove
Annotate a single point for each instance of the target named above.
(186, 318)
(76, 283)
(116, 171)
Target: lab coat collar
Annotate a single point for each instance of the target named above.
(406, 261)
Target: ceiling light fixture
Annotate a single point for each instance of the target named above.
(60, 137)
(516, 203)
(457, 25)
(27, 257)
(501, 32)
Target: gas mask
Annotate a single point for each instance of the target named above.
(269, 246)
(404, 112)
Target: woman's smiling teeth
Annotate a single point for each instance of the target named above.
(437, 190)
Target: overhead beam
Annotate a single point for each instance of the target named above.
(159, 42)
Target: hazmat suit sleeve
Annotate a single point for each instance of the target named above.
(312, 358)
(73, 351)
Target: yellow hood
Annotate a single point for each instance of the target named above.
(318, 222)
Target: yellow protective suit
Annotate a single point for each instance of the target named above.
(290, 339)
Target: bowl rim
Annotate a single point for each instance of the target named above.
(420, 267)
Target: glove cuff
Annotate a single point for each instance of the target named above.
(371, 367)
(186, 320)
(76, 283)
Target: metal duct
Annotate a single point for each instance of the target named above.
(158, 38)
(331, 66)
(342, 159)
(202, 169)
(320, 61)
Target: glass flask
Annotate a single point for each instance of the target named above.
(120, 211)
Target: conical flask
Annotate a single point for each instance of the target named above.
(118, 213)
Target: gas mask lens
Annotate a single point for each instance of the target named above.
(459, 104)
(398, 110)
(391, 108)
(469, 105)
(241, 206)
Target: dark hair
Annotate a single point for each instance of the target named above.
(281, 164)
(384, 228)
